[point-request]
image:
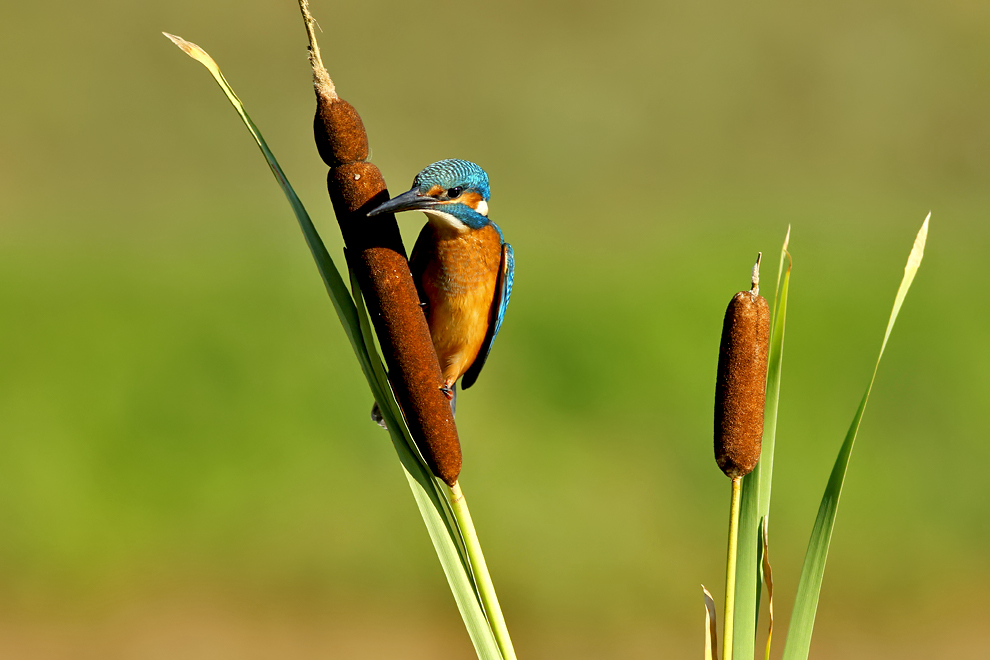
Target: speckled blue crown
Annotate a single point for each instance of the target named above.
(453, 172)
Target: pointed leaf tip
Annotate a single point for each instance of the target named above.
(711, 634)
(193, 51)
(918, 249)
(910, 270)
(187, 46)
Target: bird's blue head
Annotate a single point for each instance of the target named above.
(452, 193)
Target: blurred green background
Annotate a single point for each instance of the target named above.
(187, 468)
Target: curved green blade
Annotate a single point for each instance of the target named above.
(802, 625)
(429, 495)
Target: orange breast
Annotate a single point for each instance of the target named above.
(459, 282)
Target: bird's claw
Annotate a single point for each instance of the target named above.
(447, 391)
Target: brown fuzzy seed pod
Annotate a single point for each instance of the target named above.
(740, 385)
(339, 131)
(375, 252)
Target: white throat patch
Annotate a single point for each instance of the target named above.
(446, 220)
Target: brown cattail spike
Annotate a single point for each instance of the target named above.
(378, 258)
(740, 385)
(339, 132)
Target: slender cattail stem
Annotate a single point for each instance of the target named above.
(480, 570)
(320, 75)
(756, 274)
(730, 570)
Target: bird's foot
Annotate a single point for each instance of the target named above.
(377, 417)
(448, 391)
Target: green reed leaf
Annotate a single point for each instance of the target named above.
(427, 490)
(798, 643)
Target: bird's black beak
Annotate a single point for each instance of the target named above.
(407, 201)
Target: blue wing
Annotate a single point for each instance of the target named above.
(503, 289)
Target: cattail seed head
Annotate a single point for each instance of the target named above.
(740, 384)
(339, 132)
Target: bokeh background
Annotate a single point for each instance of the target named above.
(187, 468)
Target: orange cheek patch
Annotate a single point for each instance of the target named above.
(470, 199)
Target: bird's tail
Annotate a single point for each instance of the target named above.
(378, 418)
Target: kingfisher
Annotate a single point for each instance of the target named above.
(462, 267)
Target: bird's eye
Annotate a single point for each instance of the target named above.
(454, 192)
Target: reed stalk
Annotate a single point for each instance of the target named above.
(730, 570)
(486, 589)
